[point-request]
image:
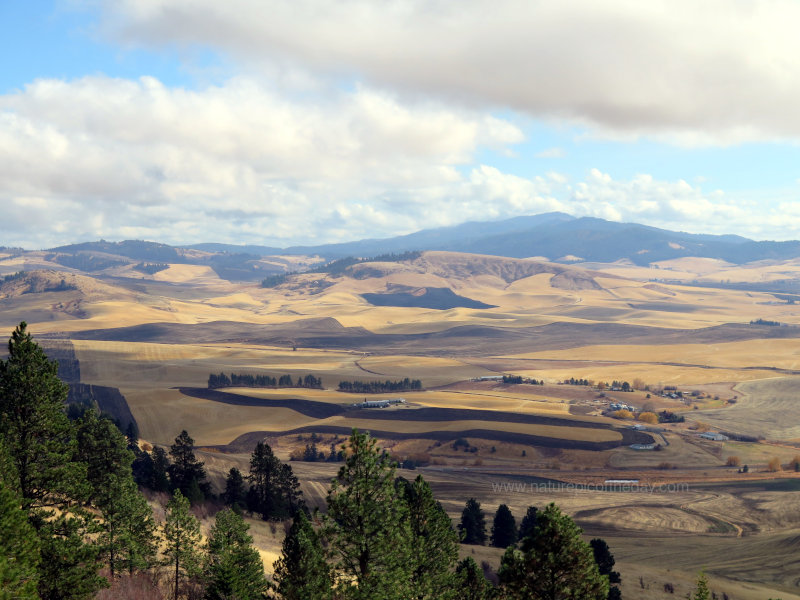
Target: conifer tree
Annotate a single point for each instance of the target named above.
(367, 525)
(233, 567)
(19, 549)
(127, 539)
(302, 573)
(235, 495)
(186, 473)
(473, 524)
(554, 564)
(504, 528)
(434, 541)
(605, 564)
(33, 423)
(528, 525)
(275, 491)
(701, 592)
(472, 583)
(181, 534)
(40, 444)
(160, 474)
(103, 449)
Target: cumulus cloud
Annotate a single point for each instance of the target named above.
(110, 157)
(716, 72)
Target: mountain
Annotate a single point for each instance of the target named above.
(561, 237)
(441, 238)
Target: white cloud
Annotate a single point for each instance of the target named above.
(104, 157)
(715, 72)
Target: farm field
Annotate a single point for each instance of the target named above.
(158, 338)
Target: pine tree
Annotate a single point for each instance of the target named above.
(504, 528)
(472, 583)
(233, 568)
(181, 534)
(554, 564)
(40, 443)
(103, 449)
(19, 549)
(69, 564)
(38, 436)
(528, 525)
(473, 524)
(367, 525)
(235, 495)
(434, 541)
(605, 565)
(701, 591)
(185, 469)
(275, 491)
(160, 477)
(301, 573)
(128, 538)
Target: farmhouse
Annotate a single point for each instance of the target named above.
(717, 437)
(379, 403)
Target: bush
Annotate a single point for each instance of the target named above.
(733, 461)
(648, 417)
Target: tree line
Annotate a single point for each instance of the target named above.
(380, 387)
(248, 380)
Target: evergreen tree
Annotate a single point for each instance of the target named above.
(38, 436)
(127, 537)
(504, 528)
(233, 567)
(181, 534)
(160, 477)
(301, 573)
(103, 449)
(275, 491)
(605, 564)
(40, 444)
(235, 494)
(528, 525)
(69, 563)
(19, 549)
(186, 473)
(473, 524)
(701, 592)
(367, 525)
(435, 543)
(553, 564)
(472, 583)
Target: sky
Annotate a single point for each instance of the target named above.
(285, 122)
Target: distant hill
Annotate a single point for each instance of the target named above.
(559, 237)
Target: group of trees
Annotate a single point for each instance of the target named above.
(249, 380)
(380, 387)
(151, 268)
(312, 454)
(574, 381)
(545, 556)
(386, 537)
(518, 379)
(70, 507)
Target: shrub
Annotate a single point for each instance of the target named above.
(733, 461)
(648, 417)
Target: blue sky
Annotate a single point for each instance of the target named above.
(281, 123)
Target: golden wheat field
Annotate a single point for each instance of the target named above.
(157, 338)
